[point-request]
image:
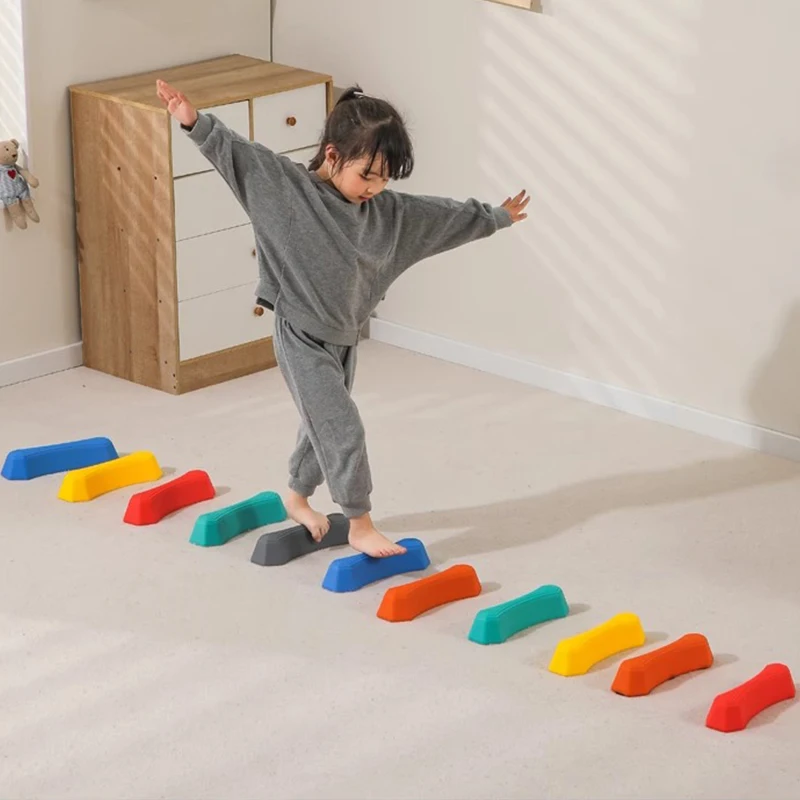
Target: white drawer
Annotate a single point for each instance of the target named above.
(290, 120)
(221, 320)
(205, 204)
(187, 158)
(222, 260)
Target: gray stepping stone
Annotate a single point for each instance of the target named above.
(281, 547)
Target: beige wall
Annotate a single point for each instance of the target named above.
(69, 41)
(661, 142)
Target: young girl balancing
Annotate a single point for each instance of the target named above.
(331, 239)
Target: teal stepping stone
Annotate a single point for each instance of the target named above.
(496, 624)
(218, 527)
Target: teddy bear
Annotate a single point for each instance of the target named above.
(15, 183)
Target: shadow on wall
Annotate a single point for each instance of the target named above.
(594, 107)
(588, 106)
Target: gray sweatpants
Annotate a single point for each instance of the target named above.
(331, 443)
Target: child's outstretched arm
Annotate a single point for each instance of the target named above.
(248, 168)
(431, 225)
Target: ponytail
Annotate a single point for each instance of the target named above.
(362, 126)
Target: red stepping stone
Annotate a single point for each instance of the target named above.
(732, 710)
(147, 508)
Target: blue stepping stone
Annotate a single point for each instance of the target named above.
(33, 462)
(354, 572)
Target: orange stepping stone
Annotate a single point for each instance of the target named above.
(404, 603)
(639, 676)
(732, 710)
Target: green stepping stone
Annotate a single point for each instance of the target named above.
(496, 624)
(218, 527)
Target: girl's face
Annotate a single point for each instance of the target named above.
(357, 183)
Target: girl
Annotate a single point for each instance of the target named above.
(331, 239)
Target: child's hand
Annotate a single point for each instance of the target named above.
(177, 104)
(517, 205)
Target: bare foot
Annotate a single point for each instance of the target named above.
(301, 512)
(365, 538)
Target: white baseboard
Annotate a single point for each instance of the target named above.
(652, 408)
(39, 364)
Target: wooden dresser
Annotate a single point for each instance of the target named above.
(166, 254)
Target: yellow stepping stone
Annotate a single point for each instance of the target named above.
(86, 484)
(576, 656)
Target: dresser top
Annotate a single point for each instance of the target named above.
(214, 82)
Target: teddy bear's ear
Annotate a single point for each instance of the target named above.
(15, 142)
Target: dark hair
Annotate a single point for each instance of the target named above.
(362, 126)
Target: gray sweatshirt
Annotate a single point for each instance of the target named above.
(325, 263)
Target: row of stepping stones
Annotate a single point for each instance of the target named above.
(94, 468)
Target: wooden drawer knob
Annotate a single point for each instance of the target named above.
(291, 121)
(253, 253)
(258, 311)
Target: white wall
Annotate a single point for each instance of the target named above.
(72, 41)
(661, 142)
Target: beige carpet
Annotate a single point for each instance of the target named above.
(134, 665)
